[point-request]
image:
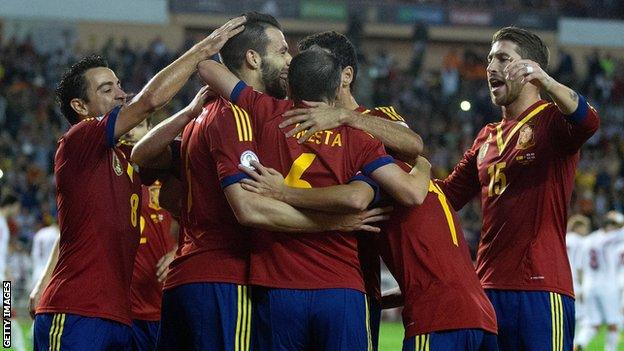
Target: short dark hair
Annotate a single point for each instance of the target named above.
(74, 85)
(8, 200)
(252, 37)
(338, 44)
(314, 75)
(530, 46)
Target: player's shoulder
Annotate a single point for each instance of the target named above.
(387, 112)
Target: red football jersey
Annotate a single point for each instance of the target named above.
(215, 246)
(156, 240)
(368, 245)
(425, 250)
(524, 169)
(98, 197)
(298, 261)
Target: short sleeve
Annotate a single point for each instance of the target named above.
(232, 143)
(91, 137)
(389, 113)
(369, 153)
(572, 131)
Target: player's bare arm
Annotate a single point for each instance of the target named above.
(527, 71)
(160, 89)
(321, 116)
(37, 291)
(409, 189)
(220, 79)
(347, 198)
(257, 211)
(153, 149)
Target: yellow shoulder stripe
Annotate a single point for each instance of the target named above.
(243, 123)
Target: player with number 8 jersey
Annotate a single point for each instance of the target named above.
(114, 214)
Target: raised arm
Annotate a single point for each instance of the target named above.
(218, 77)
(153, 149)
(166, 83)
(409, 189)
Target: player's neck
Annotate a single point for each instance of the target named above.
(346, 100)
(521, 104)
(252, 80)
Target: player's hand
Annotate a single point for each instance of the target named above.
(162, 267)
(265, 181)
(363, 221)
(422, 164)
(201, 98)
(318, 117)
(211, 45)
(526, 71)
(33, 301)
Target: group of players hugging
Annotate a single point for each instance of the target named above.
(288, 193)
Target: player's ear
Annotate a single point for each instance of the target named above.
(346, 77)
(253, 59)
(79, 106)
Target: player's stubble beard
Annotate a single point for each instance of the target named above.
(512, 92)
(273, 85)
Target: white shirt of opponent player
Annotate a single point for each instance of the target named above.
(600, 268)
(574, 245)
(43, 244)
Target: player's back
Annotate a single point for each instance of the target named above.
(425, 250)
(332, 157)
(212, 233)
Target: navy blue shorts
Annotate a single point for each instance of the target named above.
(64, 331)
(206, 316)
(324, 319)
(533, 320)
(144, 335)
(452, 340)
(374, 321)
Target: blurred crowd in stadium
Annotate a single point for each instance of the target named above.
(31, 123)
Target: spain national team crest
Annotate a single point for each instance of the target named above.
(117, 165)
(526, 137)
(483, 151)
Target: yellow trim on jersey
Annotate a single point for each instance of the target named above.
(243, 124)
(556, 310)
(130, 171)
(447, 211)
(242, 337)
(499, 129)
(56, 331)
(421, 342)
(369, 339)
(391, 113)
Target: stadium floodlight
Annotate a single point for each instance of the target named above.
(465, 105)
(1, 174)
